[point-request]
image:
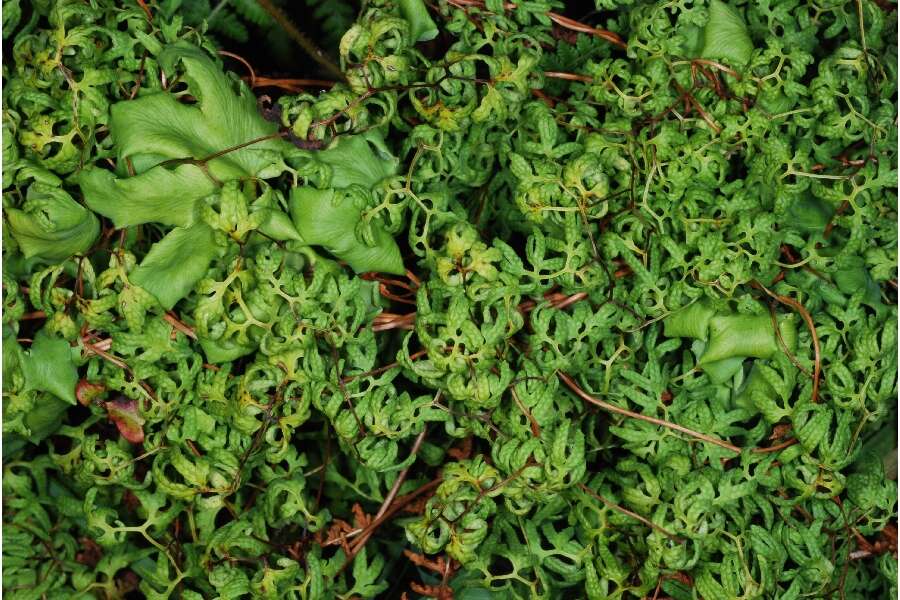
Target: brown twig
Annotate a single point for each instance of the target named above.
(173, 320)
(38, 314)
(398, 504)
(402, 476)
(99, 351)
(535, 428)
(807, 318)
(386, 320)
(574, 25)
(243, 61)
(570, 383)
(388, 367)
(139, 79)
(304, 42)
(568, 76)
(146, 9)
(291, 85)
(559, 19)
(689, 98)
(776, 447)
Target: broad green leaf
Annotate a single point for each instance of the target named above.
(746, 335)
(158, 128)
(160, 195)
(51, 225)
(46, 417)
(278, 226)
(692, 321)
(176, 263)
(330, 218)
(808, 215)
(421, 26)
(721, 371)
(726, 36)
(218, 351)
(48, 367)
(358, 160)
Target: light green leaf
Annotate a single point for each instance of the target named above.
(329, 218)
(48, 367)
(51, 225)
(160, 195)
(725, 35)
(158, 128)
(746, 336)
(176, 263)
(421, 26)
(278, 226)
(358, 160)
(691, 321)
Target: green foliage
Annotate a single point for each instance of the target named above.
(352, 352)
(244, 21)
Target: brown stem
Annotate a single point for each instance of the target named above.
(304, 42)
(559, 19)
(628, 413)
(398, 504)
(146, 9)
(535, 428)
(243, 61)
(172, 320)
(38, 314)
(568, 76)
(807, 318)
(776, 447)
(292, 85)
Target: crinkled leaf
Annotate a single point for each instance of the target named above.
(51, 225)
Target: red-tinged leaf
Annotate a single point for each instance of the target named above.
(86, 392)
(127, 417)
(90, 554)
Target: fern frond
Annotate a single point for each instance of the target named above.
(335, 17)
(251, 11)
(229, 24)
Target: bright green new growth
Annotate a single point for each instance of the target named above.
(511, 312)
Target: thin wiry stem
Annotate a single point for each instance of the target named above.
(631, 414)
